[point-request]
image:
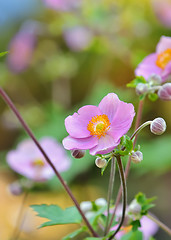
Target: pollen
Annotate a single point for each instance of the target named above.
(99, 125)
(164, 58)
(38, 162)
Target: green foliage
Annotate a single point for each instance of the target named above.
(144, 202)
(153, 97)
(137, 235)
(56, 215)
(125, 144)
(135, 225)
(3, 53)
(136, 81)
(75, 233)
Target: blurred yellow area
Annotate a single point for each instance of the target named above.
(10, 208)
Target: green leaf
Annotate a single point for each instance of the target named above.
(3, 53)
(153, 97)
(138, 79)
(137, 235)
(57, 215)
(135, 225)
(75, 233)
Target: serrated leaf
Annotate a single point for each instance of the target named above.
(57, 215)
(135, 225)
(75, 233)
(137, 80)
(153, 97)
(3, 53)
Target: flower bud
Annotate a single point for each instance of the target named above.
(100, 162)
(134, 207)
(101, 202)
(164, 92)
(137, 156)
(15, 188)
(141, 88)
(158, 126)
(155, 79)
(86, 206)
(77, 153)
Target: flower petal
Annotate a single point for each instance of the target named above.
(109, 104)
(71, 143)
(122, 120)
(105, 145)
(164, 43)
(76, 125)
(148, 67)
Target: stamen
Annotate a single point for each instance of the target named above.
(38, 162)
(99, 125)
(164, 58)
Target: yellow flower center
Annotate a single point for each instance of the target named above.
(164, 58)
(38, 162)
(99, 125)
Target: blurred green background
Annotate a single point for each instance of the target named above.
(77, 55)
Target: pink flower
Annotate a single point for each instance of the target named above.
(62, 5)
(21, 50)
(77, 38)
(157, 63)
(162, 9)
(28, 161)
(99, 129)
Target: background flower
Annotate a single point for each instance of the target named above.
(28, 161)
(99, 129)
(157, 63)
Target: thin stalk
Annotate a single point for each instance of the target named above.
(17, 230)
(110, 190)
(137, 123)
(29, 132)
(124, 195)
(160, 224)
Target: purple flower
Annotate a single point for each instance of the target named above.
(77, 38)
(162, 9)
(158, 63)
(21, 51)
(28, 161)
(99, 129)
(62, 5)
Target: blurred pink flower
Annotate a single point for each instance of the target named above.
(99, 129)
(20, 51)
(77, 38)
(28, 161)
(162, 9)
(158, 63)
(62, 5)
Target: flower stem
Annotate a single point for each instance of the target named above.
(29, 132)
(17, 229)
(159, 223)
(124, 195)
(110, 190)
(137, 123)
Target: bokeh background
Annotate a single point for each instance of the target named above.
(63, 56)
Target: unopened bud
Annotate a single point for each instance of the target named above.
(15, 188)
(100, 162)
(137, 156)
(158, 126)
(164, 92)
(141, 88)
(155, 79)
(101, 202)
(134, 207)
(77, 153)
(86, 206)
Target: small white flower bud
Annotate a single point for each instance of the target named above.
(100, 162)
(164, 92)
(134, 207)
(15, 188)
(158, 126)
(141, 88)
(86, 206)
(155, 79)
(137, 156)
(89, 214)
(77, 153)
(101, 202)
